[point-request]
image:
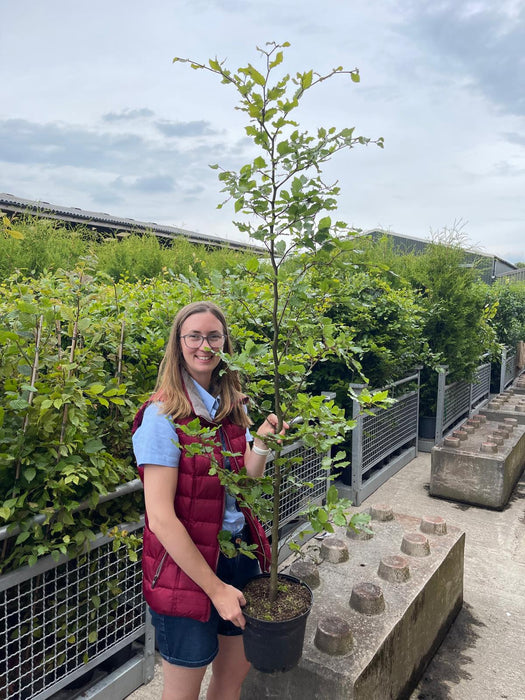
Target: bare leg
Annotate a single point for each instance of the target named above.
(181, 683)
(229, 669)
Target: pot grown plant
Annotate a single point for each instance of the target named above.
(285, 204)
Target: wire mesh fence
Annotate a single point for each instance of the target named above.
(59, 620)
(508, 368)
(385, 439)
(456, 401)
(307, 469)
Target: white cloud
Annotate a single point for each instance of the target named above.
(95, 114)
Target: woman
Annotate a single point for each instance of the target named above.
(192, 590)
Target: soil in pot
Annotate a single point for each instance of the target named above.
(293, 599)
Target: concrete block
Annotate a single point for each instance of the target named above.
(519, 385)
(480, 462)
(378, 616)
(508, 404)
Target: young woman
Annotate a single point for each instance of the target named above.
(193, 591)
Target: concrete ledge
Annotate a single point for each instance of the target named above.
(508, 404)
(397, 607)
(518, 386)
(479, 464)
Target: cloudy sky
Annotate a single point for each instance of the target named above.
(94, 114)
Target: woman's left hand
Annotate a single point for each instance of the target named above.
(269, 427)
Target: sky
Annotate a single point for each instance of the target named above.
(94, 114)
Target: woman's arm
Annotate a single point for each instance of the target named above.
(160, 484)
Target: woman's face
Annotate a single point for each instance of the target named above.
(201, 361)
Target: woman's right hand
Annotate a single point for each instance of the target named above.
(228, 601)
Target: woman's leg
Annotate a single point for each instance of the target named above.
(229, 669)
(181, 683)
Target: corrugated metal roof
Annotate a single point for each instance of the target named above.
(107, 222)
(423, 242)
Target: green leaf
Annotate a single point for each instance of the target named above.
(306, 79)
(283, 148)
(93, 445)
(256, 76)
(95, 389)
(29, 474)
(252, 265)
(5, 513)
(27, 308)
(22, 537)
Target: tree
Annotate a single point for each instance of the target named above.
(285, 204)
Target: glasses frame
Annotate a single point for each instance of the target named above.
(204, 338)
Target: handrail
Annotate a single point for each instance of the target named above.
(12, 529)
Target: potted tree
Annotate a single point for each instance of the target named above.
(285, 205)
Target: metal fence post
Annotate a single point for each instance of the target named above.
(148, 667)
(503, 370)
(440, 404)
(357, 453)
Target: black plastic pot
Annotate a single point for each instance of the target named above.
(427, 427)
(275, 646)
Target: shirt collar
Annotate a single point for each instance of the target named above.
(211, 402)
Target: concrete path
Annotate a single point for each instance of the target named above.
(482, 656)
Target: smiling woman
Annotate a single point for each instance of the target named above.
(194, 591)
(202, 333)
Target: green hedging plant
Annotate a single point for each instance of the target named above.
(508, 300)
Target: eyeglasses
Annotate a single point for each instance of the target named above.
(195, 340)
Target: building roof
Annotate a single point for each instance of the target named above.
(493, 267)
(106, 223)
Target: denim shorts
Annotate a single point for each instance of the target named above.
(193, 644)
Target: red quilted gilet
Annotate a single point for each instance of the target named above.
(199, 504)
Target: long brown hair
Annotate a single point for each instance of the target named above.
(224, 381)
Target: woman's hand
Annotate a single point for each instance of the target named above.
(269, 427)
(255, 457)
(228, 601)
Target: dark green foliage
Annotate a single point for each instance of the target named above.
(455, 308)
(508, 300)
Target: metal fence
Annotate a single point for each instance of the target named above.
(511, 276)
(296, 496)
(456, 401)
(384, 440)
(64, 621)
(508, 368)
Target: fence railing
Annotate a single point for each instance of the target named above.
(457, 400)
(511, 276)
(384, 440)
(62, 621)
(508, 368)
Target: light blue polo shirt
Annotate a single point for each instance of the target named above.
(156, 442)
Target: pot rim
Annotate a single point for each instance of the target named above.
(289, 619)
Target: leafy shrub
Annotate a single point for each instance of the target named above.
(46, 245)
(508, 299)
